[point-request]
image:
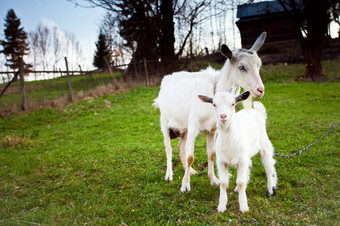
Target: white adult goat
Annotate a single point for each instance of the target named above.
(240, 136)
(182, 114)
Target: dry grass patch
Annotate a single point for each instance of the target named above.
(10, 141)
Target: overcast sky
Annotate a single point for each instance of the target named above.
(82, 22)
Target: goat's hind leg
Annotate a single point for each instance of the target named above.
(189, 157)
(168, 148)
(243, 172)
(211, 158)
(269, 165)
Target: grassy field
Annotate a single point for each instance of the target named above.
(102, 161)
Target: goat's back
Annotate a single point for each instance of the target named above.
(178, 97)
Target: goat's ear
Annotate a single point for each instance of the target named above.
(259, 42)
(226, 51)
(243, 96)
(205, 99)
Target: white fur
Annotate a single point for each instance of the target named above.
(181, 109)
(241, 135)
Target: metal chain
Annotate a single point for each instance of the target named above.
(304, 149)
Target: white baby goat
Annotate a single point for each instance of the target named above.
(182, 114)
(241, 135)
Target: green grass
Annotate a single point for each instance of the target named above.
(102, 161)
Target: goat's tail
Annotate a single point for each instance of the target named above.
(259, 107)
(155, 103)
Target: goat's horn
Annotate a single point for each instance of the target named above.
(259, 42)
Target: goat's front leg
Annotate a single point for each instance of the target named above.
(243, 171)
(189, 156)
(181, 145)
(224, 183)
(211, 158)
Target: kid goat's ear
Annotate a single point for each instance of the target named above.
(205, 99)
(243, 96)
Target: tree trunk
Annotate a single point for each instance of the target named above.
(167, 50)
(316, 19)
(312, 57)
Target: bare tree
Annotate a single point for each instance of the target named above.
(34, 46)
(187, 15)
(49, 45)
(72, 50)
(148, 26)
(44, 44)
(56, 47)
(69, 40)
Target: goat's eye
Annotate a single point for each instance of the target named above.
(214, 105)
(242, 68)
(233, 104)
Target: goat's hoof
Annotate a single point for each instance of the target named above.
(221, 208)
(271, 192)
(185, 188)
(214, 181)
(244, 209)
(168, 177)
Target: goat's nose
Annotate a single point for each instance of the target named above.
(223, 116)
(261, 89)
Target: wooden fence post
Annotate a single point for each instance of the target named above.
(81, 71)
(69, 80)
(61, 74)
(146, 73)
(115, 82)
(22, 84)
(9, 83)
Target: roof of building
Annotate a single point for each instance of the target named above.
(262, 8)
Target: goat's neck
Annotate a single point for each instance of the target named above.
(225, 127)
(225, 80)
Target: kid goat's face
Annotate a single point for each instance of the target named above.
(224, 104)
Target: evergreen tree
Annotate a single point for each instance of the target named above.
(15, 44)
(102, 51)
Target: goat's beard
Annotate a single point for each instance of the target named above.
(223, 124)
